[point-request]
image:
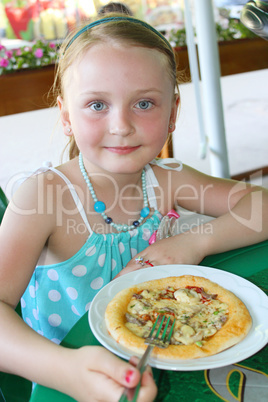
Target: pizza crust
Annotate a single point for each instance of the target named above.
(233, 331)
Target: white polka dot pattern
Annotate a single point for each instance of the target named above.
(113, 264)
(59, 294)
(32, 291)
(97, 283)
(53, 274)
(121, 248)
(29, 322)
(75, 311)
(54, 295)
(146, 234)
(54, 320)
(72, 293)
(22, 303)
(133, 252)
(91, 251)
(79, 270)
(55, 340)
(101, 260)
(35, 314)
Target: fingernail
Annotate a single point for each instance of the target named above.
(129, 374)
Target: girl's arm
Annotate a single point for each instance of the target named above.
(89, 373)
(241, 213)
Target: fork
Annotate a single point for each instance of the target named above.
(154, 339)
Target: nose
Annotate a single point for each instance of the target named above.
(120, 123)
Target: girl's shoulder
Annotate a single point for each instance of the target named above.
(163, 169)
(49, 177)
(180, 172)
(42, 188)
(53, 173)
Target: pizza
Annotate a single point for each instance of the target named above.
(208, 318)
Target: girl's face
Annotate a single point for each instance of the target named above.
(119, 102)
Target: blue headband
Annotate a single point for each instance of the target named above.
(109, 19)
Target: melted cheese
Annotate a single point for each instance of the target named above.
(197, 317)
(186, 296)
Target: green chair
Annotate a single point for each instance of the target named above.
(3, 205)
(12, 387)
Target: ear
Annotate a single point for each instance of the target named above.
(64, 116)
(174, 113)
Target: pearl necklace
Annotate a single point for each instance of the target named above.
(100, 207)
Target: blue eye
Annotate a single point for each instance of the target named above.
(144, 104)
(98, 106)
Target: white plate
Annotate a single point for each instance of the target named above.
(254, 298)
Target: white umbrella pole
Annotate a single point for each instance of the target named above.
(195, 76)
(210, 74)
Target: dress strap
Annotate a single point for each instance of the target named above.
(48, 166)
(151, 179)
(164, 162)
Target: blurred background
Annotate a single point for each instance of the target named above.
(52, 19)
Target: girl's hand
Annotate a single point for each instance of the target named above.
(98, 375)
(184, 248)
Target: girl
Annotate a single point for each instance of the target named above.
(82, 223)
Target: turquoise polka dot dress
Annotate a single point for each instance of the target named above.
(59, 294)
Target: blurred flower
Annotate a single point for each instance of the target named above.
(4, 62)
(39, 55)
(9, 54)
(225, 30)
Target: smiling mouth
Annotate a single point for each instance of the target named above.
(122, 150)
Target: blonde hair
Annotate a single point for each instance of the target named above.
(126, 31)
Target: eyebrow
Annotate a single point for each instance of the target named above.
(149, 90)
(138, 91)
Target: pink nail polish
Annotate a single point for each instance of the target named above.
(129, 374)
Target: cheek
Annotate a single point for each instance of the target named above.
(157, 129)
(88, 137)
(86, 130)
(155, 139)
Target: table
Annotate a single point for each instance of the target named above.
(244, 381)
